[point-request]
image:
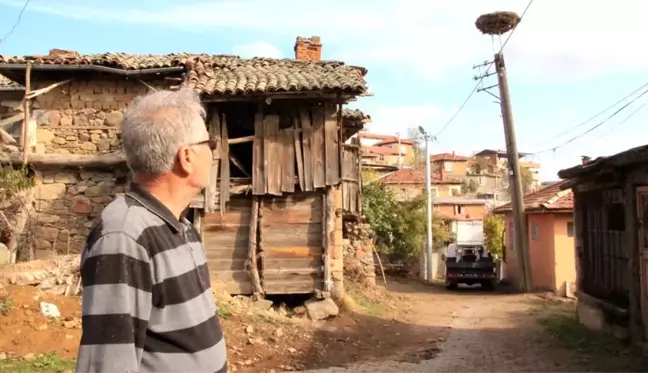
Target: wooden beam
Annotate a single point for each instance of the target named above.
(147, 85)
(38, 92)
(11, 120)
(239, 165)
(278, 96)
(25, 127)
(68, 160)
(7, 138)
(253, 268)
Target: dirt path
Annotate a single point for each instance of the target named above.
(488, 332)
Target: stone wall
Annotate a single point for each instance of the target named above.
(359, 252)
(65, 205)
(83, 117)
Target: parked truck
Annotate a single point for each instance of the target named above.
(466, 259)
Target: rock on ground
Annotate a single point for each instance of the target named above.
(321, 309)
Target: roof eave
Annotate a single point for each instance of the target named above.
(112, 70)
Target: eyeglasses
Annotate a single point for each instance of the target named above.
(212, 143)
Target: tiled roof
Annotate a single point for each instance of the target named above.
(459, 200)
(353, 120)
(395, 141)
(449, 157)
(375, 136)
(380, 150)
(223, 74)
(415, 176)
(630, 157)
(547, 198)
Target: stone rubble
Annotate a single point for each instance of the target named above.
(359, 252)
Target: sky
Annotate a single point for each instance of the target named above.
(567, 60)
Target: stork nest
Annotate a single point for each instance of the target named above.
(497, 23)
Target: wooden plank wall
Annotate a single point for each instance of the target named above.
(291, 240)
(306, 153)
(352, 178)
(226, 238)
(604, 260)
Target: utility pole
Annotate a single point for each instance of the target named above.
(499, 23)
(519, 215)
(428, 191)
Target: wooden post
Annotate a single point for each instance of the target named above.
(340, 134)
(25, 128)
(519, 215)
(253, 268)
(259, 241)
(328, 233)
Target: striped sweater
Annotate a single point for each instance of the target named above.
(147, 300)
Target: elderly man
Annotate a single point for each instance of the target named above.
(147, 301)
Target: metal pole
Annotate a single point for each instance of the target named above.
(517, 200)
(428, 191)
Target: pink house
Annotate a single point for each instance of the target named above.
(550, 227)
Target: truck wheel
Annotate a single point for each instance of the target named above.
(489, 285)
(451, 285)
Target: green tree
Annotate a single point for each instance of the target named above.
(525, 175)
(469, 186)
(400, 226)
(527, 179)
(12, 181)
(369, 175)
(493, 234)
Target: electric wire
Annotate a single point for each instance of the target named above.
(479, 82)
(593, 117)
(597, 125)
(18, 20)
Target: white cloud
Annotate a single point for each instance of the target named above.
(258, 49)
(557, 40)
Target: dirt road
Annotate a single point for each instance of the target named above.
(489, 332)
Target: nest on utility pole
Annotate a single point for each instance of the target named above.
(497, 23)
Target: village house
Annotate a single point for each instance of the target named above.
(460, 208)
(409, 183)
(494, 161)
(611, 242)
(550, 229)
(384, 152)
(449, 165)
(282, 176)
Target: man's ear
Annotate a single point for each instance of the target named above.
(186, 157)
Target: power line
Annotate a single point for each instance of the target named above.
(483, 76)
(598, 124)
(626, 118)
(13, 28)
(593, 117)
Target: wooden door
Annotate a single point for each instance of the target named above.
(352, 177)
(642, 218)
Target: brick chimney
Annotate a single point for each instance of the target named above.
(585, 159)
(308, 49)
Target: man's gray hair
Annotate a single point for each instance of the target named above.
(157, 125)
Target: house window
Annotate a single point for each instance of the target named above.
(480, 180)
(535, 231)
(570, 229)
(615, 215)
(458, 209)
(433, 191)
(447, 166)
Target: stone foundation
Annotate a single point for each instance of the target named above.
(65, 206)
(359, 252)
